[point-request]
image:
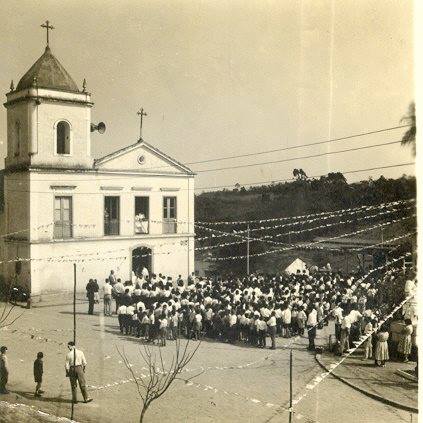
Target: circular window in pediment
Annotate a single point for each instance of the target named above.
(141, 159)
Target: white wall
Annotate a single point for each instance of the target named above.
(169, 258)
(172, 254)
(88, 201)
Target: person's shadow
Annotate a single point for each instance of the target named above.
(31, 396)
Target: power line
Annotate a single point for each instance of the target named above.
(312, 176)
(347, 172)
(328, 153)
(292, 147)
(267, 151)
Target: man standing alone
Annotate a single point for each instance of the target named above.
(311, 328)
(92, 288)
(75, 370)
(4, 370)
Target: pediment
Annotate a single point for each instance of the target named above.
(141, 157)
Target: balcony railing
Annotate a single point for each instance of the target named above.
(169, 226)
(142, 226)
(62, 230)
(111, 227)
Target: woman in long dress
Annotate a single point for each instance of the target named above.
(381, 350)
(404, 345)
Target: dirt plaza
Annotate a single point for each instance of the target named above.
(235, 383)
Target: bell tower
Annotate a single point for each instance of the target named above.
(48, 118)
(48, 136)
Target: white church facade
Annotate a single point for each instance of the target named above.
(129, 209)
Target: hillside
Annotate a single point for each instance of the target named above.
(302, 197)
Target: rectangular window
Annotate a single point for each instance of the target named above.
(142, 209)
(62, 217)
(169, 215)
(111, 216)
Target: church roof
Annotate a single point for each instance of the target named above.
(49, 73)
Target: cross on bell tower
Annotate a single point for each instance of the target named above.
(141, 113)
(47, 26)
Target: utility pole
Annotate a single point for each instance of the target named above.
(290, 386)
(382, 242)
(74, 329)
(248, 249)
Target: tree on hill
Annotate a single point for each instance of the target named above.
(409, 138)
(299, 174)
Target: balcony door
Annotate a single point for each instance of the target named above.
(111, 215)
(142, 215)
(169, 215)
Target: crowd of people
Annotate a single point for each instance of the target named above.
(250, 309)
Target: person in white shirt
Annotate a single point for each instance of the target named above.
(301, 320)
(261, 332)
(337, 314)
(345, 334)
(130, 310)
(311, 328)
(107, 298)
(198, 325)
(232, 322)
(354, 316)
(75, 371)
(121, 312)
(118, 291)
(286, 321)
(174, 324)
(140, 305)
(145, 273)
(271, 323)
(163, 330)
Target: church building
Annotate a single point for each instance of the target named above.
(130, 209)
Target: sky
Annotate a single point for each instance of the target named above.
(223, 78)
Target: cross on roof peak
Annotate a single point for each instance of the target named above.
(47, 26)
(141, 113)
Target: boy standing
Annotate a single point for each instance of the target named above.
(4, 370)
(38, 374)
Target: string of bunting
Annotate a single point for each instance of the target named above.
(262, 228)
(81, 257)
(45, 226)
(387, 241)
(359, 209)
(367, 247)
(307, 216)
(314, 242)
(340, 212)
(265, 238)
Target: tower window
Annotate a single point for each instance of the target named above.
(63, 138)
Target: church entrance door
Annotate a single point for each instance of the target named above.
(141, 257)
